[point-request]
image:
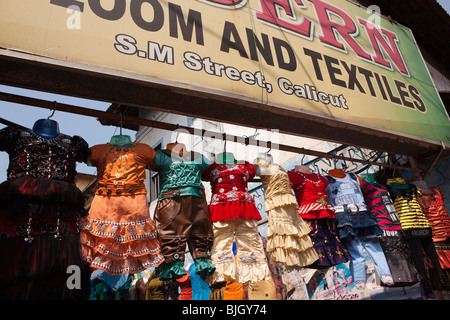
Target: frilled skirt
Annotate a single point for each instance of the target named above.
(119, 236)
(39, 240)
(288, 240)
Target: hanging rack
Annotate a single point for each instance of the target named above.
(53, 111)
(34, 102)
(121, 123)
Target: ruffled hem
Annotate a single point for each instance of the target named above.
(120, 232)
(40, 189)
(285, 221)
(204, 267)
(111, 249)
(253, 272)
(293, 257)
(128, 264)
(280, 201)
(172, 270)
(291, 243)
(44, 258)
(139, 251)
(284, 227)
(233, 209)
(239, 272)
(225, 271)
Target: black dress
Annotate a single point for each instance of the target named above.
(40, 207)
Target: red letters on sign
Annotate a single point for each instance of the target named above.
(391, 48)
(329, 27)
(269, 14)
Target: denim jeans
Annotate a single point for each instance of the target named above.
(355, 247)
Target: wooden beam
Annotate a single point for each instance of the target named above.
(53, 105)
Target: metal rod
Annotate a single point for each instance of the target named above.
(34, 102)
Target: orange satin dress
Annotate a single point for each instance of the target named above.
(119, 236)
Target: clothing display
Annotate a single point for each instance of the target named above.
(276, 273)
(200, 289)
(182, 215)
(392, 240)
(311, 196)
(432, 204)
(217, 290)
(154, 289)
(118, 235)
(258, 231)
(234, 214)
(40, 209)
(417, 229)
(288, 241)
(185, 287)
(233, 291)
(357, 227)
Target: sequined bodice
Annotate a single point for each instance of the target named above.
(31, 155)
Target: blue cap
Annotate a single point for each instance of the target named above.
(46, 128)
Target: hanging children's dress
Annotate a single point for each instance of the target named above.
(313, 207)
(432, 204)
(181, 214)
(119, 236)
(40, 209)
(392, 240)
(234, 215)
(417, 229)
(200, 289)
(288, 240)
(357, 227)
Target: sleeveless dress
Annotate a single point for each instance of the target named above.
(40, 211)
(119, 236)
(288, 240)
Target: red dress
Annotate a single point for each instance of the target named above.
(310, 191)
(230, 196)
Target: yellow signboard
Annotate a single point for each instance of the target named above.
(331, 58)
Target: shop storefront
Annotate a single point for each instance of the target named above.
(335, 72)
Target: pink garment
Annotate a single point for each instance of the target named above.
(379, 202)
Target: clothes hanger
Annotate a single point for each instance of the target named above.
(47, 128)
(121, 140)
(225, 157)
(302, 168)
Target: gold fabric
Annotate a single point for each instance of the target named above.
(262, 290)
(276, 184)
(250, 263)
(288, 240)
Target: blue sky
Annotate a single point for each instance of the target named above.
(87, 127)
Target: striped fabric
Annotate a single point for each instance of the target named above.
(380, 203)
(405, 202)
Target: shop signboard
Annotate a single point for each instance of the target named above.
(335, 59)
